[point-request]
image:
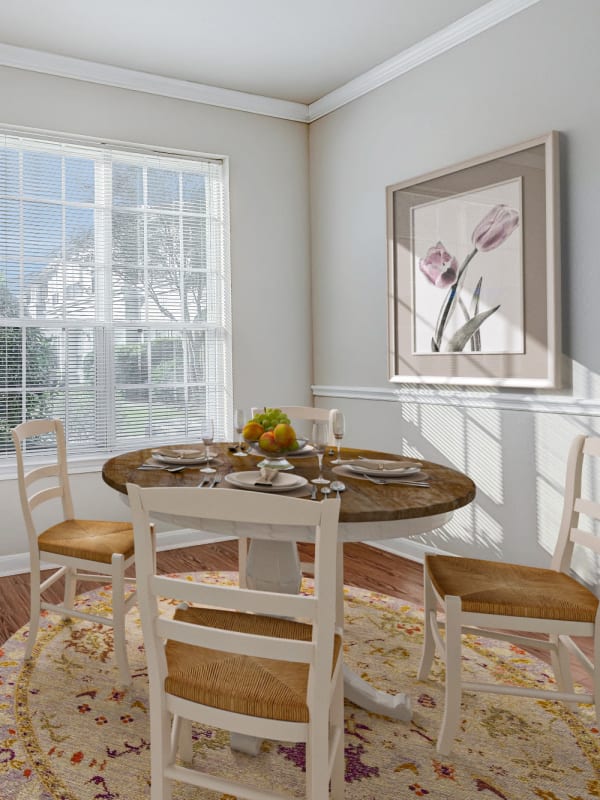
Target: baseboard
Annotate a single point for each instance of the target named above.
(407, 548)
(18, 563)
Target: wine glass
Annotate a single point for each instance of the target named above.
(338, 427)
(239, 420)
(320, 436)
(207, 434)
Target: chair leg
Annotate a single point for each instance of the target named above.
(242, 562)
(317, 758)
(70, 587)
(561, 665)
(182, 739)
(160, 752)
(430, 609)
(451, 718)
(337, 723)
(35, 608)
(118, 608)
(596, 675)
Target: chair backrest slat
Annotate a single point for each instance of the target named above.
(257, 602)
(44, 495)
(247, 644)
(586, 539)
(241, 506)
(591, 446)
(587, 507)
(40, 473)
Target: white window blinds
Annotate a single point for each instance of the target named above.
(114, 294)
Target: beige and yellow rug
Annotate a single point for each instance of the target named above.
(66, 732)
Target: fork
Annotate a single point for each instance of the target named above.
(214, 482)
(382, 482)
(145, 467)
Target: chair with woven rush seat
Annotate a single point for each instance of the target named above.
(256, 663)
(494, 599)
(91, 550)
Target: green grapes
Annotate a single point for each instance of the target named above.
(270, 418)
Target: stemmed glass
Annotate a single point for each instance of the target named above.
(239, 420)
(338, 427)
(207, 434)
(320, 436)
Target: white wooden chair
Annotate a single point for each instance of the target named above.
(91, 550)
(305, 414)
(242, 661)
(478, 595)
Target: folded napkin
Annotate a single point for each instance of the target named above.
(174, 452)
(267, 477)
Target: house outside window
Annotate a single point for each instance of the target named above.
(114, 293)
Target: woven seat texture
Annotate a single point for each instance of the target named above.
(95, 540)
(493, 587)
(260, 687)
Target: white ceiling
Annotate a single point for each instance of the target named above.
(295, 50)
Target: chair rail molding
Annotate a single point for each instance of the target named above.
(442, 396)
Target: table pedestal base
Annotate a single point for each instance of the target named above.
(361, 693)
(274, 566)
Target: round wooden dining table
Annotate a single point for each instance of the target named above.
(368, 512)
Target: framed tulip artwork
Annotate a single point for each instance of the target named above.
(474, 271)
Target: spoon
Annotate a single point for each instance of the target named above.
(338, 486)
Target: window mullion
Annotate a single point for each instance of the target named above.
(104, 372)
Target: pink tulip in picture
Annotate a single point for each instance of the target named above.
(468, 272)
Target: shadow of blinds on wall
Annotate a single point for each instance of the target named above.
(114, 293)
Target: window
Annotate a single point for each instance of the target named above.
(114, 293)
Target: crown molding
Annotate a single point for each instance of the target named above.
(452, 35)
(467, 398)
(94, 72)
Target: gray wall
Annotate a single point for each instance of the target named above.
(535, 72)
(269, 234)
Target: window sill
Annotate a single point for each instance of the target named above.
(77, 464)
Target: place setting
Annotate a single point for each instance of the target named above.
(176, 459)
(384, 471)
(267, 480)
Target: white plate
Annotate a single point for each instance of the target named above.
(307, 450)
(284, 482)
(382, 468)
(177, 456)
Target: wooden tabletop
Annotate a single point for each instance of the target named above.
(362, 501)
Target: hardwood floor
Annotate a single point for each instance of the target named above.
(364, 566)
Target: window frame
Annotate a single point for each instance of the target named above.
(91, 460)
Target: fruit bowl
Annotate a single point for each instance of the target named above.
(274, 460)
(269, 434)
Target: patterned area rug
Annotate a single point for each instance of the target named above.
(67, 733)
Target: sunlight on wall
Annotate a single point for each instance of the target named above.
(586, 384)
(471, 441)
(445, 429)
(484, 452)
